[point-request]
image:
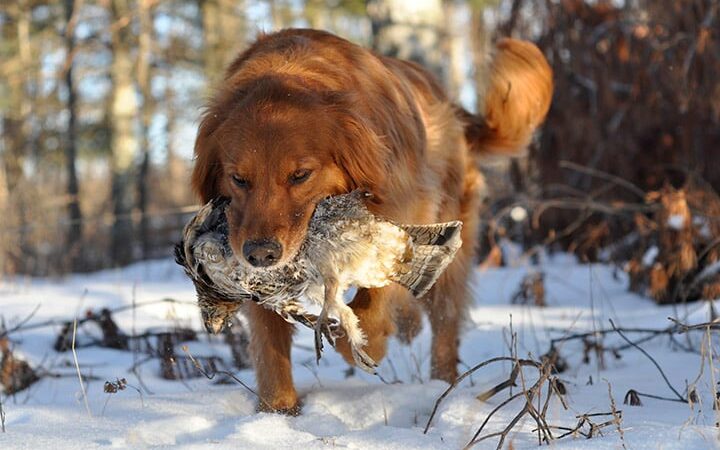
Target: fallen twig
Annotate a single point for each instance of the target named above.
(616, 180)
(653, 333)
(585, 420)
(459, 379)
(535, 391)
(662, 373)
(605, 331)
(683, 328)
(530, 394)
(20, 324)
(536, 406)
(24, 326)
(211, 376)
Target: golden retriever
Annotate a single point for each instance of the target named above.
(304, 114)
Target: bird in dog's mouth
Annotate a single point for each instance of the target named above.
(346, 245)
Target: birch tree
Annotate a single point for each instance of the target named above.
(74, 233)
(123, 139)
(144, 78)
(410, 30)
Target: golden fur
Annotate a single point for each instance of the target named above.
(305, 102)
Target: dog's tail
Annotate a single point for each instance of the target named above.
(518, 96)
(434, 247)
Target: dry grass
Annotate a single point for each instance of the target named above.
(79, 374)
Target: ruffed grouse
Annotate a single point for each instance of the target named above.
(346, 245)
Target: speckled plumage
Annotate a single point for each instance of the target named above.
(345, 246)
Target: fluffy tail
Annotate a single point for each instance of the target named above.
(519, 92)
(434, 247)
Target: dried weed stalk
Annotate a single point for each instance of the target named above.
(617, 416)
(17, 375)
(2, 416)
(535, 402)
(678, 397)
(211, 376)
(530, 394)
(586, 427)
(120, 384)
(77, 367)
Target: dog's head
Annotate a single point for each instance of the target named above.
(276, 151)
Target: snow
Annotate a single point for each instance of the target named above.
(357, 411)
(518, 213)
(650, 256)
(676, 221)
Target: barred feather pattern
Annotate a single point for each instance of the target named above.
(345, 246)
(220, 282)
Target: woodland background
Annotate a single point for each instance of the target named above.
(99, 101)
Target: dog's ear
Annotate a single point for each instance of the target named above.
(360, 153)
(207, 172)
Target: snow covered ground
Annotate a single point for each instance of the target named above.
(356, 411)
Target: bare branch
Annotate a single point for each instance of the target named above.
(662, 373)
(211, 376)
(603, 176)
(458, 381)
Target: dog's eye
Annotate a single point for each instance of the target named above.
(300, 176)
(240, 182)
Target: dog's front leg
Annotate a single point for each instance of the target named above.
(270, 343)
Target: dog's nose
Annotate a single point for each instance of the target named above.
(262, 252)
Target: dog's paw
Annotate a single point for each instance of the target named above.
(280, 408)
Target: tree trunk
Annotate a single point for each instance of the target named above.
(144, 76)
(123, 142)
(479, 39)
(15, 126)
(224, 35)
(280, 14)
(410, 30)
(74, 232)
(176, 170)
(506, 29)
(315, 13)
(453, 50)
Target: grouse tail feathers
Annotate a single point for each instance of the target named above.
(433, 234)
(179, 251)
(434, 248)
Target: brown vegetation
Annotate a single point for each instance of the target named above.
(673, 254)
(636, 98)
